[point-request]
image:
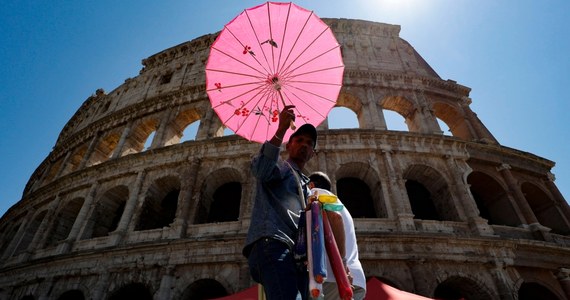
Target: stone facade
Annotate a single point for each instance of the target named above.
(442, 216)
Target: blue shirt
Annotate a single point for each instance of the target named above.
(277, 205)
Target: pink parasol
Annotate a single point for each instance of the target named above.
(269, 56)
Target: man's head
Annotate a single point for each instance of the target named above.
(320, 180)
(301, 145)
(308, 130)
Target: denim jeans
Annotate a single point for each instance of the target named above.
(272, 264)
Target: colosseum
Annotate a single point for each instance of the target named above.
(127, 203)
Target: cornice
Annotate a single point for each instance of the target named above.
(377, 78)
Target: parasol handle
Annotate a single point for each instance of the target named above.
(292, 125)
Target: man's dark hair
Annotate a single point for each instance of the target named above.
(321, 180)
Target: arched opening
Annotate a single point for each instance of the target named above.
(358, 187)
(53, 170)
(228, 132)
(148, 142)
(545, 209)
(160, 205)
(396, 108)
(204, 289)
(75, 160)
(64, 221)
(132, 291)
(184, 127)
(452, 121)
(8, 233)
(461, 288)
(394, 121)
(190, 132)
(445, 130)
(421, 201)
(429, 194)
(107, 213)
(533, 291)
(355, 195)
(30, 232)
(492, 200)
(72, 295)
(220, 191)
(104, 149)
(140, 137)
(342, 117)
(226, 202)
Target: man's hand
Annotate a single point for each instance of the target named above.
(286, 116)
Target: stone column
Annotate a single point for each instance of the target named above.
(464, 197)
(559, 199)
(186, 194)
(118, 235)
(205, 129)
(521, 204)
(166, 284)
(479, 130)
(98, 291)
(397, 206)
(63, 164)
(160, 131)
(18, 236)
(425, 114)
(375, 112)
(89, 151)
(119, 149)
(503, 281)
(563, 277)
(80, 220)
(41, 233)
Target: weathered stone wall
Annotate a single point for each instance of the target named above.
(105, 214)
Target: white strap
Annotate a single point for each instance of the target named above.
(299, 187)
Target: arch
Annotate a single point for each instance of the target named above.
(75, 159)
(190, 132)
(31, 230)
(429, 195)
(492, 200)
(72, 295)
(148, 141)
(8, 232)
(138, 135)
(107, 212)
(533, 290)
(395, 121)
(64, 221)
(204, 289)
(160, 204)
(53, 170)
(342, 117)
(352, 103)
(137, 291)
(445, 130)
(454, 119)
(104, 149)
(458, 287)
(220, 197)
(545, 209)
(178, 129)
(403, 107)
(358, 187)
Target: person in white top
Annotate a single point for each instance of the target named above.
(320, 184)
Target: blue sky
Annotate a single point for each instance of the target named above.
(513, 54)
